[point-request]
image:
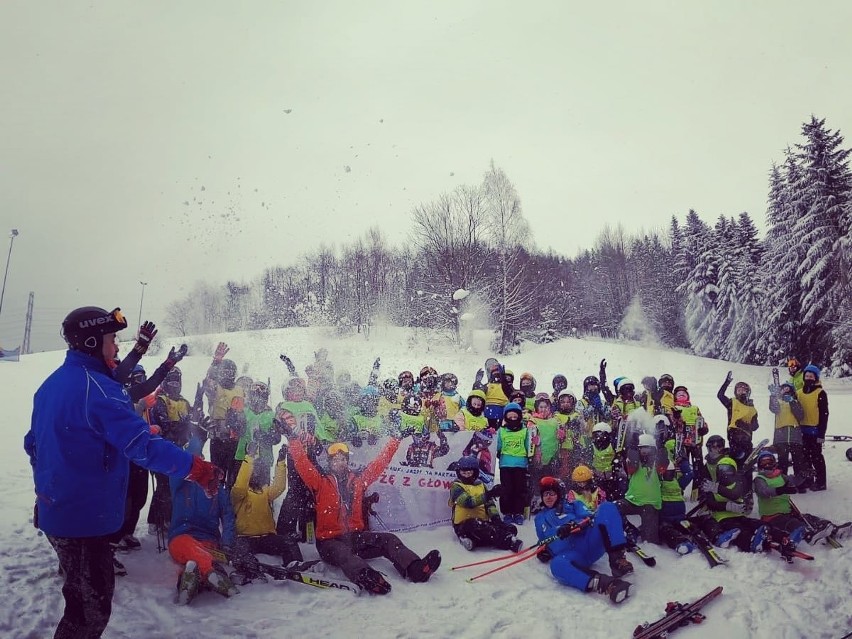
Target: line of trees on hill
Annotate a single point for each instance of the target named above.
(717, 290)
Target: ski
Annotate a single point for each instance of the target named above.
(752, 458)
(776, 380)
(788, 554)
(831, 540)
(281, 573)
(839, 438)
(677, 615)
(647, 559)
(704, 545)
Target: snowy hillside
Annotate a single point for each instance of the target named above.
(763, 597)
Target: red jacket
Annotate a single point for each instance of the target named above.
(334, 518)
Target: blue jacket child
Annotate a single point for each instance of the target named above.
(579, 538)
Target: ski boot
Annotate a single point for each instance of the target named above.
(118, 568)
(218, 581)
(315, 566)
(760, 536)
(616, 589)
(726, 537)
(841, 530)
(373, 581)
(516, 546)
(420, 570)
(684, 547)
(187, 585)
(619, 563)
(819, 530)
(467, 543)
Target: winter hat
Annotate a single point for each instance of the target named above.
(810, 368)
(468, 462)
(681, 401)
(512, 407)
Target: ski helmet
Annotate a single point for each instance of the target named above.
(569, 395)
(406, 379)
(681, 390)
(715, 442)
(244, 382)
(83, 329)
(582, 474)
(560, 382)
(227, 373)
(527, 382)
(793, 362)
(666, 382)
(467, 463)
(647, 441)
(552, 484)
(259, 393)
(518, 397)
(508, 376)
(476, 411)
(294, 390)
(449, 381)
(849, 454)
(411, 405)
(591, 380)
(602, 427)
(626, 386)
(649, 383)
(745, 388)
(138, 375)
(173, 383)
(617, 382)
(542, 397)
(810, 368)
(662, 419)
(766, 461)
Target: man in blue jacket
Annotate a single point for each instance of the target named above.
(576, 538)
(83, 435)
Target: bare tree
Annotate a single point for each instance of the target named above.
(509, 233)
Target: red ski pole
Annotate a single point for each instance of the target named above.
(536, 550)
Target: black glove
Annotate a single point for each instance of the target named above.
(288, 363)
(147, 332)
(310, 423)
(251, 448)
(545, 555)
(602, 373)
(175, 356)
(479, 375)
(729, 377)
(786, 489)
(204, 423)
(282, 453)
(377, 363)
(495, 492)
(566, 530)
(283, 427)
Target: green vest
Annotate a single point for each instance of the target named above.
(372, 425)
(779, 504)
(719, 515)
(472, 422)
(416, 422)
(255, 421)
(513, 442)
(547, 430)
(645, 488)
(300, 411)
(670, 489)
(602, 459)
(327, 429)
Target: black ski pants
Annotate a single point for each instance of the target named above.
(137, 495)
(814, 460)
(514, 499)
(271, 544)
(487, 533)
(89, 584)
(349, 552)
(297, 508)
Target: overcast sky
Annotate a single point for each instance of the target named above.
(168, 142)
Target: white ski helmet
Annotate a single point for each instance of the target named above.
(602, 427)
(646, 440)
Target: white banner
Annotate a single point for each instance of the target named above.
(414, 489)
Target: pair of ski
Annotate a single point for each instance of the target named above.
(677, 616)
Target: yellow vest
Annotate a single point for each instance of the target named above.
(495, 396)
(472, 422)
(176, 409)
(461, 514)
(222, 401)
(719, 515)
(740, 411)
(810, 406)
(785, 417)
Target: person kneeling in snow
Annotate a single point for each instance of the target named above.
(577, 538)
(475, 518)
(341, 536)
(195, 538)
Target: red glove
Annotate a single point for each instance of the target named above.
(154, 429)
(205, 475)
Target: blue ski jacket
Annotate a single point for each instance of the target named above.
(84, 430)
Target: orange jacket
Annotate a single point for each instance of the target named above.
(334, 518)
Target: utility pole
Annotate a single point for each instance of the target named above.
(12, 235)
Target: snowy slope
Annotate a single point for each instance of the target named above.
(763, 596)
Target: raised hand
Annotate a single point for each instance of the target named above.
(147, 332)
(221, 350)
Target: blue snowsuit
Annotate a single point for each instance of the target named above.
(573, 556)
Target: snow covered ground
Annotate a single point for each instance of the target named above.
(763, 596)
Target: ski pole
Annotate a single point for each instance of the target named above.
(536, 550)
(513, 555)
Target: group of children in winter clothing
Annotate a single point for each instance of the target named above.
(620, 453)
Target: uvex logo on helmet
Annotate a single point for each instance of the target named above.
(96, 321)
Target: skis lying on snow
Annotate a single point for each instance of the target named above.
(645, 557)
(839, 438)
(677, 615)
(280, 573)
(787, 553)
(702, 543)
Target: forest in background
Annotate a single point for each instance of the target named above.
(716, 290)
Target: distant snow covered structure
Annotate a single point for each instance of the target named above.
(763, 596)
